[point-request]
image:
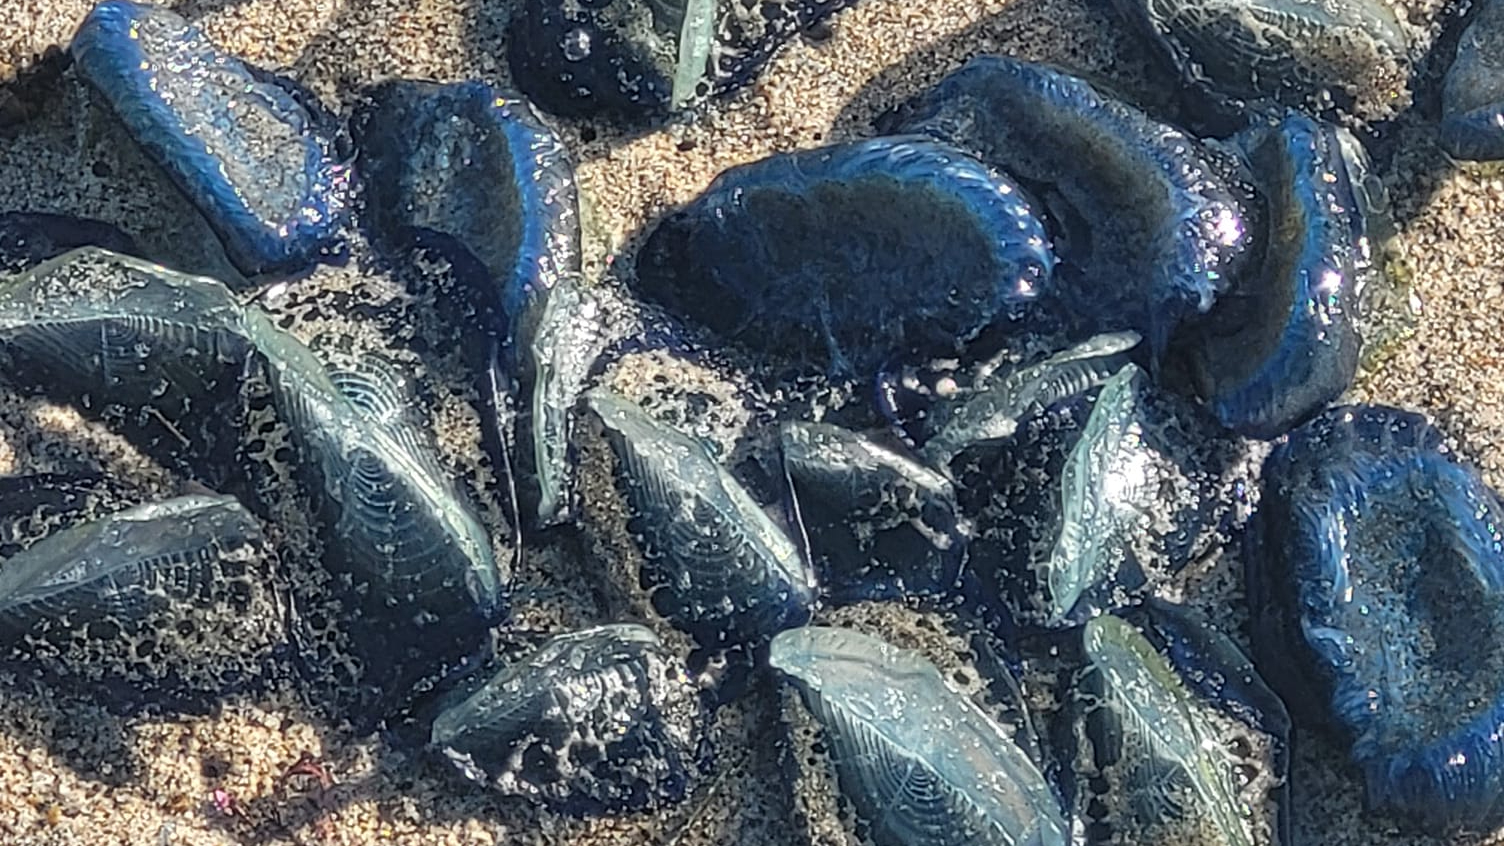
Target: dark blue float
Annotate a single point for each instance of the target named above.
(1151, 225)
(840, 256)
(1377, 584)
(1283, 343)
(255, 155)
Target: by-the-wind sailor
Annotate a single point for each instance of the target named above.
(423, 579)
(877, 524)
(174, 599)
(1377, 583)
(472, 164)
(1160, 761)
(636, 59)
(992, 408)
(1282, 343)
(707, 557)
(1472, 97)
(560, 349)
(257, 162)
(29, 238)
(1296, 51)
(842, 255)
(470, 170)
(94, 328)
(603, 720)
(920, 763)
(623, 58)
(1094, 499)
(1151, 224)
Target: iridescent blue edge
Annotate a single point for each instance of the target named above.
(1320, 482)
(1316, 352)
(537, 167)
(915, 159)
(112, 56)
(1203, 237)
(714, 262)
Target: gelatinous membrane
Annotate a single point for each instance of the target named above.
(562, 347)
(469, 167)
(1170, 775)
(1290, 49)
(1378, 580)
(260, 166)
(714, 564)
(1282, 344)
(1153, 224)
(92, 327)
(472, 163)
(29, 238)
(993, 409)
(1107, 491)
(920, 763)
(843, 255)
(422, 566)
(1472, 97)
(877, 524)
(1095, 498)
(171, 598)
(603, 720)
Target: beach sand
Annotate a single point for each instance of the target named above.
(71, 773)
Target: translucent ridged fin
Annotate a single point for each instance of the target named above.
(921, 763)
(993, 411)
(1171, 744)
(569, 337)
(385, 401)
(125, 563)
(696, 39)
(93, 321)
(708, 545)
(1102, 480)
(398, 512)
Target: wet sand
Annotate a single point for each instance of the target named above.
(72, 774)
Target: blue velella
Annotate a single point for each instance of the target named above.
(249, 152)
(842, 256)
(601, 720)
(878, 524)
(1377, 583)
(92, 327)
(472, 165)
(712, 563)
(993, 405)
(469, 170)
(1093, 499)
(634, 60)
(166, 602)
(1151, 225)
(1296, 52)
(1283, 343)
(1472, 96)
(920, 763)
(422, 580)
(1174, 739)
